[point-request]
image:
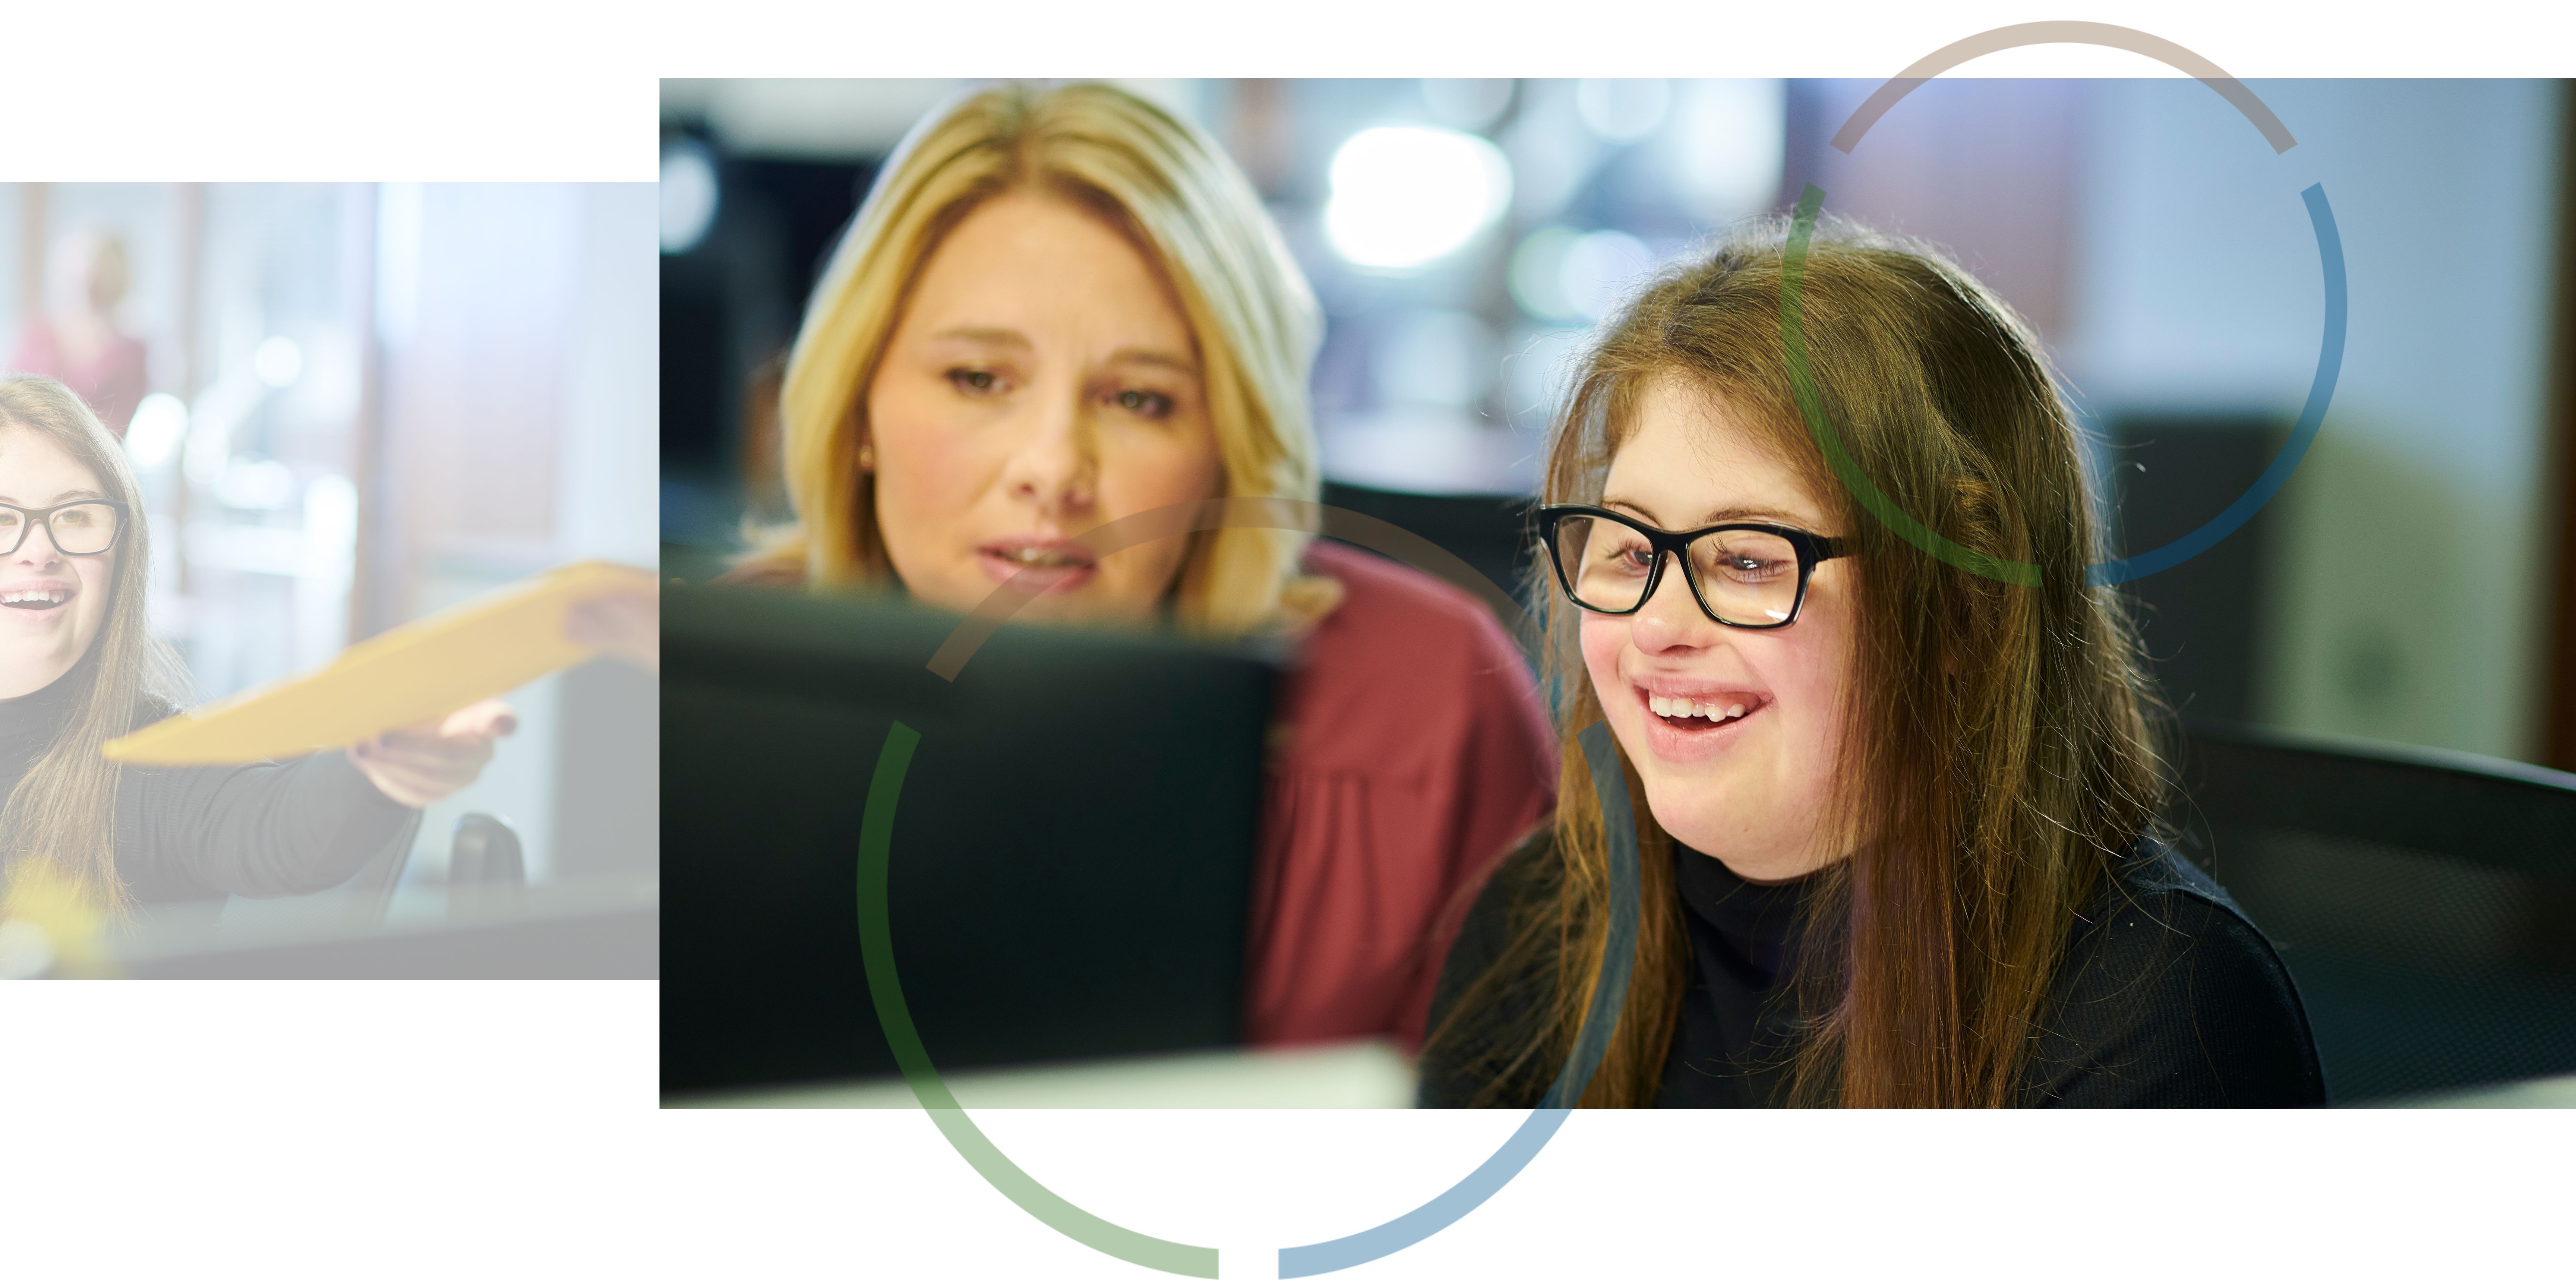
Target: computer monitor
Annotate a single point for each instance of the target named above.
(1071, 859)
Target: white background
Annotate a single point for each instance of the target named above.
(506, 1133)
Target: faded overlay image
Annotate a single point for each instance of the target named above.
(328, 626)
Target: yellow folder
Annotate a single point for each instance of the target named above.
(413, 673)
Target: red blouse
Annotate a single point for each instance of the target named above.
(111, 381)
(1416, 750)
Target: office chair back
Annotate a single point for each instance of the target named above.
(2423, 901)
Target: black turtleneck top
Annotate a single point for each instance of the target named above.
(200, 832)
(2167, 996)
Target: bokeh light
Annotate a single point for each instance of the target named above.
(688, 196)
(277, 361)
(1406, 195)
(1622, 111)
(1559, 274)
(1725, 144)
(160, 421)
(1600, 268)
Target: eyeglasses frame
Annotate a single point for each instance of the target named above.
(1812, 550)
(45, 518)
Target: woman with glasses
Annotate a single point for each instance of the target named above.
(1894, 787)
(78, 666)
(1060, 307)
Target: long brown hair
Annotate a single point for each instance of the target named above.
(1997, 756)
(62, 817)
(1188, 209)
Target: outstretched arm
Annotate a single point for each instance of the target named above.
(266, 830)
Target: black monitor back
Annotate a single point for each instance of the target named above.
(2423, 901)
(1070, 868)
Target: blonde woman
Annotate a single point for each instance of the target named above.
(1061, 306)
(78, 667)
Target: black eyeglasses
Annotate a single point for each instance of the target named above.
(78, 528)
(1749, 575)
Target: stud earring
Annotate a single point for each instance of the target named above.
(867, 457)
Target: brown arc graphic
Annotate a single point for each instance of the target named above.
(2063, 33)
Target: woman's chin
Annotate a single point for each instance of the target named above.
(25, 669)
(1084, 600)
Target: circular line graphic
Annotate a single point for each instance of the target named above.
(885, 989)
(876, 947)
(1488, 1178)
(1617, 954)
(2063, 33)
(2329, 354)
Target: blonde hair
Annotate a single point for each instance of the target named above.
(1172, 191)
(62, 816)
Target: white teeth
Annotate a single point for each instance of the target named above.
(32, 597)
(1037, 556)
(1685, 707)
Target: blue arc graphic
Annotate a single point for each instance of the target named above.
(2109, 572)
(1589, 1045)
(2313, 415)
(886, 992)
(1599, 750)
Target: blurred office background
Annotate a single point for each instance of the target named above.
(2410, 584)
(354, 405)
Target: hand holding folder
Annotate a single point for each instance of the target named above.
(416, 673)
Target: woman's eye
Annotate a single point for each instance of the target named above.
(1631, 559)
(970, 380)
(1143, 402)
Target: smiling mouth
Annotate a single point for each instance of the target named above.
(1700, 716)
(35, 601)
(1041, 557)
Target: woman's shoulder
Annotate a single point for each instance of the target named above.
(152, 708)
(2169, 995)
(1403, 656)
(1479, 1021)
(1385, 599)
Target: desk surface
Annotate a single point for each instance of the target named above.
(606, 927)
(1360, 1075)
(2538, 1093)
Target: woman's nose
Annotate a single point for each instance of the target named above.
(38, 547)
(1671, 618)
(1056, 465)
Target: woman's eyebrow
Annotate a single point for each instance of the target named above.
(985, 335)
(1623, 503)
(1722, 514)
(1157, 358)
(1733, 513)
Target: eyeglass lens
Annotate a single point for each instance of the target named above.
(1747, 578)
(77, 529)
